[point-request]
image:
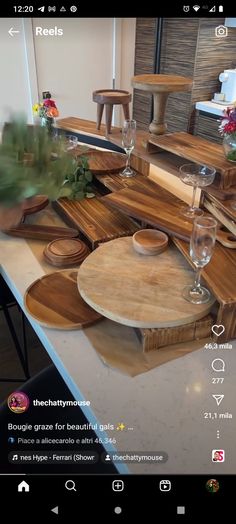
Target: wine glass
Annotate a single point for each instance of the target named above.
(202, 243)
(128, 142)
(196, 175)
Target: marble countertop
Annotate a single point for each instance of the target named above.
(165, 406)
(212, 107)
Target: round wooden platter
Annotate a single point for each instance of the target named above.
(102, 162)
(35, 204)
(67, 252)
(139, 290)
(54, 301)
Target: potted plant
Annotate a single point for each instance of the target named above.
(228, 131)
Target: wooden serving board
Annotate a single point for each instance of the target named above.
(96, 220)
(35, 204)
(102, 162)
(198, 150)
(153, 210)
(40, 232)
(54, 301)
(138, 290)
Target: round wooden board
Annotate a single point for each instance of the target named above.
(138, 290)
(54, 301)
(35, 204)
(102, 162)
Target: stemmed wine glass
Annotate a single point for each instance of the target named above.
(196, 175)
(128, 143)
(202, 243)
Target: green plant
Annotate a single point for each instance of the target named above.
(77, 184)
(31, 163)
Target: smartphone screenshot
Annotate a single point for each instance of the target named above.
(117, 262)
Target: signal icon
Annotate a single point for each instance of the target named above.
(196, 7)
(41, 8)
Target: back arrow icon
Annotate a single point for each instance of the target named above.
(12, 31)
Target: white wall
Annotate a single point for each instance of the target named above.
(74, 65)
(71, 67)
(16, 69)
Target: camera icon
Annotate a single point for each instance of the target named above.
(221, 31)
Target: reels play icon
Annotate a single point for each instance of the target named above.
(165, 485)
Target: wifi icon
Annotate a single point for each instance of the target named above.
(196, 7)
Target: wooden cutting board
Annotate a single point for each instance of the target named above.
(41, 232)
(152, 210)
(138, 290)
(102, 162)
(54, 301)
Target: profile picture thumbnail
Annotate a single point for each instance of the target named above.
(212, 485)
(218, 455)
(18, 402)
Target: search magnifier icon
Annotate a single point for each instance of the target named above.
(70, 485)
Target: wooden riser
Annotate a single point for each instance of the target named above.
(153, 339)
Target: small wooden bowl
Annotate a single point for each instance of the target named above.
(150, 241)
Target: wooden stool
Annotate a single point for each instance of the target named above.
(109, 97)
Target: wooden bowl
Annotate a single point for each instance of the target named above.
(150, 241)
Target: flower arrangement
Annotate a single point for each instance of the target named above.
(46, 109)
(227, 129)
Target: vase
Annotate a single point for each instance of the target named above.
(229, 145)
(47, 121)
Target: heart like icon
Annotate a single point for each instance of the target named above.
(218, 329)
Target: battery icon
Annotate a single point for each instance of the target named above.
(221, 8)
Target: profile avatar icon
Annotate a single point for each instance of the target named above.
(212, 485)
(218, 455)
(18, 402)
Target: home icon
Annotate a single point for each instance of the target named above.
(23, 486)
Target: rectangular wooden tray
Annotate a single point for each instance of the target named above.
(195, 149)
(153, 339)
(96, 220)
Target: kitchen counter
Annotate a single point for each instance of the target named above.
(165, 406)
(212, 107)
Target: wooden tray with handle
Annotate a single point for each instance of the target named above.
(41, 232)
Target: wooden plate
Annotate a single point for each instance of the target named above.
(62, 252)
(102, 162)
(150, 241)
(139, 291)
(54, 301)
(35, 204)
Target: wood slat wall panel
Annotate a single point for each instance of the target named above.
(207, 127)
(145, 47)
(189, 48)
